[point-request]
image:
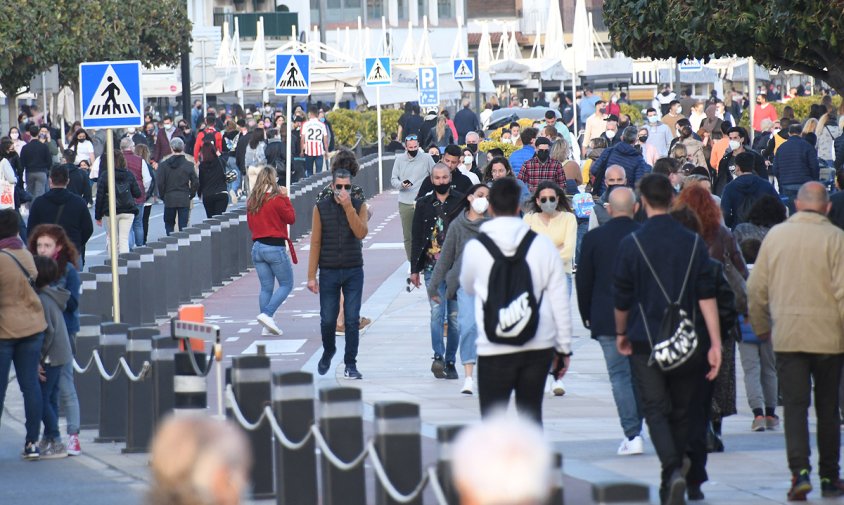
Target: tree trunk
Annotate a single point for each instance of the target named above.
(835, 78)
(12, 104)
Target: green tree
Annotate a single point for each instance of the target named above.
(797, 35)
(41, 33)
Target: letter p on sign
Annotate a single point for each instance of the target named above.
(428, 89)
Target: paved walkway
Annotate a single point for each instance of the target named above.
(395, 358)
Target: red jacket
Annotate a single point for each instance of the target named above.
(272, 221)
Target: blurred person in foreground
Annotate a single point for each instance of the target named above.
(197, 460)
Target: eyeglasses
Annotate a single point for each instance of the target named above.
(411, 137)
(340, 187)
(551, 199)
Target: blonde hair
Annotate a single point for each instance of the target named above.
(142, 150)
(810, 126)
(441, 126)
(266, 188)
(560, 150)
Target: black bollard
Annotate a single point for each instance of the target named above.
(140, 422)
(399, 447)
(102, 295)
(171, 273)
(295, 470)
(163, 358)
(227, 245)
(183, 258)
(130, 290)
(445, 439)
(251, 383)
(88, 384)
(244, 241)
(216, 252)
(233, 234)
(194, 262)
(202, 257)
(88, 299)
(148, 285)
(190, 391)
(620, 492)
(557, 492)
(341, 424)
(158, 279)
(113, 401)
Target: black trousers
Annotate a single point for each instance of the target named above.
(215, 204)
(671, 404)
(145, 221)
(796, 371)
(521, 372)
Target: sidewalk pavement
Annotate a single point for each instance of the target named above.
(395, 358)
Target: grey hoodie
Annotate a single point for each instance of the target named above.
(56, 349)
(460, 231)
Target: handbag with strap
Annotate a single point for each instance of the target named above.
(29, 278)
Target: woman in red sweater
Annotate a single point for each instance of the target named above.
(269, 212)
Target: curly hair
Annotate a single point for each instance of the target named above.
(346, 160)
(767, 212)
(67, 253)
(701, 202)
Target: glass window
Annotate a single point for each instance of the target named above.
(374, 9)
(444, 9)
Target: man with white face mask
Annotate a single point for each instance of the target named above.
(611, 133)
(727, 166)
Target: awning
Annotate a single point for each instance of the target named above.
(705, 75)
(608, 70)
(738, 73)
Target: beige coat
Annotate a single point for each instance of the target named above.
(797, 286)
(21, 313)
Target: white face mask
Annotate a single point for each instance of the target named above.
(467, 160)
(480, 204)
(734, 144)
(610, 134)
(652, 119)
(14, 136)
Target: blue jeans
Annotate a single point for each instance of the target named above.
(170, 218)
(438, 318)
(331, 282)
(788, 193)
(468, 327)
(49, 395)
(582, 228)
(138, 228)
(624, 393)
(25, 353)
(272, 264)
(69, 399)
(231, 164)
(310, 161)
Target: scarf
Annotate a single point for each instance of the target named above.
(13, 242)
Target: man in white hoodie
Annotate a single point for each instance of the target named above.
(503, 369)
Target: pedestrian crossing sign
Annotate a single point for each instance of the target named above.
(293, 74)
(464, 69)
(110, 94)
(378, 71)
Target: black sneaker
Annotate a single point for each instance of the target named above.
(801, 485)
(352, 372)
(694, 493)
(31, 451)
(451, 371)
(673, 492)
(438, 367)
(324, 362)
(832, 488)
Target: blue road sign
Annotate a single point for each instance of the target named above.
(293, 74)
(464, 69)
(110, 94)
(429, 93)
(378, 71)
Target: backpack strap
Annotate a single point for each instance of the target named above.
(493, 249)
(521, 252)
(656, 277)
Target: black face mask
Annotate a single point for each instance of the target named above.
(473, 148)
(643, 139)
(442, 188)
(622, 126)
(435, 157)
(542, 155)
(412, 152)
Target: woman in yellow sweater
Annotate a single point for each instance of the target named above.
(550, 214)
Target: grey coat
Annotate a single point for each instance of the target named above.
(460, 232)
(56, 349)
(177, 181)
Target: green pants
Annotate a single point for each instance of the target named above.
(406, 211)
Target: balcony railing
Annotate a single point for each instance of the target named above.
(276, 24)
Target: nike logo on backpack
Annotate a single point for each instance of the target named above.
(513, 318)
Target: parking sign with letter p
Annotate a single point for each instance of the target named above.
(429, 94)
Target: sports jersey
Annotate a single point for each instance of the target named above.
(314, 134)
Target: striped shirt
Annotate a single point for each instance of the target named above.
(314, 135)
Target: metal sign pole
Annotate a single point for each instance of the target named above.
(380, 139)
(112, 225)
(289, 142)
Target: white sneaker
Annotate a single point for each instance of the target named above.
(631, 447)
(268, 323)
(557, 388)
(468, 386)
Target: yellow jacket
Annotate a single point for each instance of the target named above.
(562, 230)
(796, 286)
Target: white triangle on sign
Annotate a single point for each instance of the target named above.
(111, 99)
(291, 78)
(463, 69)
(377, 73)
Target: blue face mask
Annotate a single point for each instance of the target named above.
(322, 120)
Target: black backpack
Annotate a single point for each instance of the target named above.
(743, 209)
(123, 194)
(511, 311)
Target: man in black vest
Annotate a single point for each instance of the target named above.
(339, 225)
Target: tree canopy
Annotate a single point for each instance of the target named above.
(797, 35)
(42, 33)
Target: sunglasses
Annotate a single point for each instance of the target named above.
(411, 137)
(340, 187)
(551, 199)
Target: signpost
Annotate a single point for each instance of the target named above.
(292, 78)
(378, 72)
(429, 93)
(110, 96)
(463, 69)
(689, 65)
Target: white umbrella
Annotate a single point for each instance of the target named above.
(554, 42)
(408, 52)
(224, 56)
(581, 44)
(484, 48)
(258, 58)
(424, 57)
